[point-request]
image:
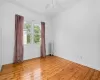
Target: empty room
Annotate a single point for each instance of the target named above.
(49, 39)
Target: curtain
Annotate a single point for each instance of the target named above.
(18, 52)
(43, 49)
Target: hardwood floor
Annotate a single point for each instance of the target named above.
(49, 68)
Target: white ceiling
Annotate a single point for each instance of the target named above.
(40, 5)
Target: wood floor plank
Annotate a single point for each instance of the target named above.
(95, 75)
(89, 75)
(49, 68)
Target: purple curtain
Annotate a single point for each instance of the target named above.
(18, 52)
(43, 49)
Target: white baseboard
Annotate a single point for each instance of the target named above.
(90, 66)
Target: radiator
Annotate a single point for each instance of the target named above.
(51, 48)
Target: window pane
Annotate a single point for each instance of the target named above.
(37, 35)
(27, 26)
(37, 38)
(37, 29)
(29, 38)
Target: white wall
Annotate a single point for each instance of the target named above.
(2, 2)
(77, 33)
(1, 21)
(8, 27)
(0, 49)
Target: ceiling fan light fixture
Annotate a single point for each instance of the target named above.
(51, 5)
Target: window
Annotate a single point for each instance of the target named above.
(37, 34)
(31, 33)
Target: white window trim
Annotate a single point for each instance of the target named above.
(32, 32)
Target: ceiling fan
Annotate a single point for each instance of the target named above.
(54, 4)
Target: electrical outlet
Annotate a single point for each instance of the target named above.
(79, 57)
